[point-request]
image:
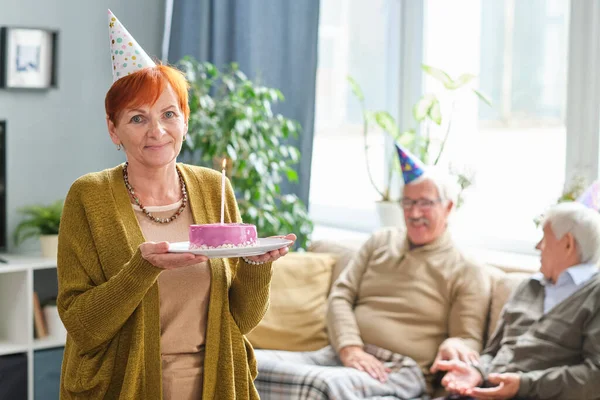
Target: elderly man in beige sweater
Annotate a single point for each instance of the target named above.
(412, 292)
(408, 299)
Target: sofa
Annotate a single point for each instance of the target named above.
(301, 283)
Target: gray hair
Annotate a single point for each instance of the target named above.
(446, 185)
(581, 222)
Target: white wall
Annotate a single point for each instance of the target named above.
(56, 136)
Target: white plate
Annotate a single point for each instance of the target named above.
(263, 246)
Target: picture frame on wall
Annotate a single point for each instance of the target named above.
(28, 58)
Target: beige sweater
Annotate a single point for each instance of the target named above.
(408, 301)
(183, 294)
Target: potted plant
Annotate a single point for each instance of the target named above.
(232, 117)
(427, 112)
(40, 221)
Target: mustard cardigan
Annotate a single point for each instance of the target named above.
(108, 296)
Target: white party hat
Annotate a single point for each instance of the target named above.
(127, 55)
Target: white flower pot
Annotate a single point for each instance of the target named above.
(390, 214)
(49, 246)
(56, 329)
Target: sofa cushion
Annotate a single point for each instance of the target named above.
(295, 320)
(503, 284)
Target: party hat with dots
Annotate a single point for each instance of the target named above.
(412, 167)
(127, 55)
(591, 196)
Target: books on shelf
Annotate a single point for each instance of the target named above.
(41, 329)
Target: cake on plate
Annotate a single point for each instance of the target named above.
(222, 236)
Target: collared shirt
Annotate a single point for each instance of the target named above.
(567, 283)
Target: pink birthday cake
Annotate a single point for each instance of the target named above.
(220, 236)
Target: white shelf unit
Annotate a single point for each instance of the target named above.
(16, 310)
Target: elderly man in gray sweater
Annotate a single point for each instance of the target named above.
(547, 343)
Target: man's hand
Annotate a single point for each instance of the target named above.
(508, 386)
(356, 357)
(460, 377)
(454, 349)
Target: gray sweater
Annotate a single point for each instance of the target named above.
(557, 353)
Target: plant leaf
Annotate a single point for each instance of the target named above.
(435, 112)
(438, 74)
(407, 138)
(38, 219)
(461, 81)
(483, 97)
(386, 122)
(292, 175)
(231, 152)
(355, 87)
(422, 107)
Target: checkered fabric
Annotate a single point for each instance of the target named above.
(320, 375)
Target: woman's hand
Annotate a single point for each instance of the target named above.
(274, 254)
(158, 255)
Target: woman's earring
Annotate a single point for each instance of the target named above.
(119, 147)
(185, 137)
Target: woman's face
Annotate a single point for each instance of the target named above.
(151, 135)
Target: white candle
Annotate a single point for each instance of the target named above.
(223, 192)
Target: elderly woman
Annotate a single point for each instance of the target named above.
(144, 323)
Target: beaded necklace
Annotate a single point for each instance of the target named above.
(146, 212)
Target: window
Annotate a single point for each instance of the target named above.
(517, 147)
(358, 39)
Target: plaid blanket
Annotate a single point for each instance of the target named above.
(320, 375)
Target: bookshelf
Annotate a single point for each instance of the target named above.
(20, 276)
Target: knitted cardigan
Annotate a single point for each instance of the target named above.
(108, 296)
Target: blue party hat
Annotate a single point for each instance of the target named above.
(412, 167)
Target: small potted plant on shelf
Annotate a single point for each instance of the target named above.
(427, 112)
(40, 221)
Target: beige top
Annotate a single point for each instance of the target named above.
(184, 294)
(408, 300)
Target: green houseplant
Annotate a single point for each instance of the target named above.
(232, 117)
(40, 221)
(427, 112)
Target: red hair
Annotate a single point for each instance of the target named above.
(144, 87)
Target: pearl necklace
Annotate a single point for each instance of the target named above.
(146, 212)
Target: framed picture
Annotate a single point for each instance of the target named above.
(27, 58)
